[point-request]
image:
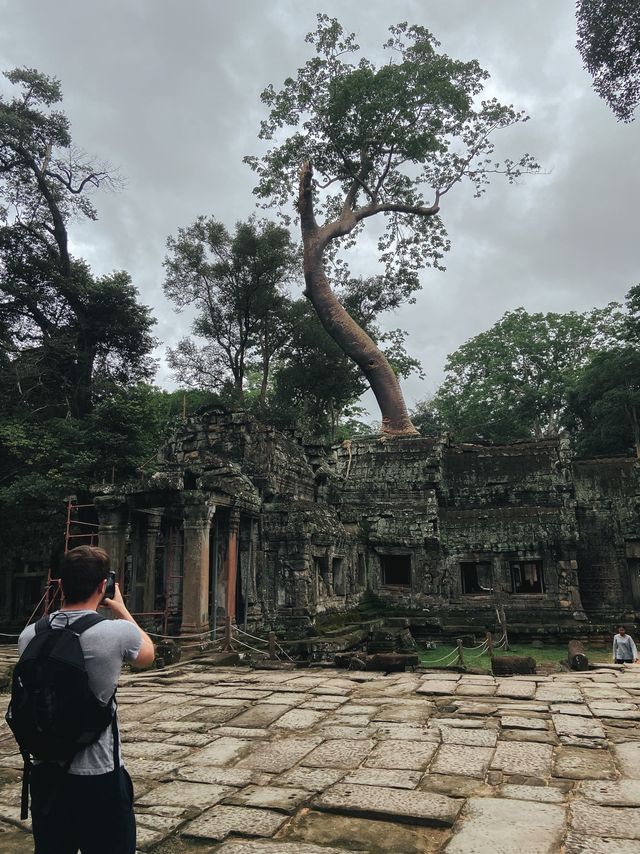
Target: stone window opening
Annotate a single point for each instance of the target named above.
(527, 576)
(396, 570)
(476, 577)
(362, 571)
(321, 569)
(338, 576)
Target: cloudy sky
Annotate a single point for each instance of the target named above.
(168, 91)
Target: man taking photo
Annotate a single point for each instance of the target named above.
(87, 804)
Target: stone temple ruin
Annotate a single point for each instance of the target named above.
(240, 520)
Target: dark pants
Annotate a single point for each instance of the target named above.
(91, 814)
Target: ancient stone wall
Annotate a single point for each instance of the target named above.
(272, 529)
(608, 512)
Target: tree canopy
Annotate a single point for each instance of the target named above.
(609, 43)
(63, 327)
(512, 381)
(74, 347)
(604, 403)
(237, 284)
(391, 142)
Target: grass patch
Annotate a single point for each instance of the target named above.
(551, 654)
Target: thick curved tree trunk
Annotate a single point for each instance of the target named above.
(350, 337)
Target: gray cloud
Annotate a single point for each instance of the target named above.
(168, 91)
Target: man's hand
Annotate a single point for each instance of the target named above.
(117, 605)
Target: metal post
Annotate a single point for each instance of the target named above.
(272, 646)
(227, 634)
(460, 653)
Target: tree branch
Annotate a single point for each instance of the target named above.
(393, 207)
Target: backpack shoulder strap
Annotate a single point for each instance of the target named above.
(42, 624)
(84, 623)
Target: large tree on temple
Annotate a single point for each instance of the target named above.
(386, 142)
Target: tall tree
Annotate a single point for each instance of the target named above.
(512, 381)
(237, 285)
(388, 142)
(59, 320)
(609, 43)
(604, 403)
(74, 347)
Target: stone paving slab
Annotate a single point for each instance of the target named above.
(279, 847)
(624, 793)
(299, 719)
(578, 843)
(220, 821)
(410, 755)
(436, 686)
(471, 737)
(579, 763)
(254, 750)
(490, 823)
(278, 756)
(278, 798)
(542, 794)
(222, 776)
(182, 794)
(260, 715)
(312, 779)
(520, 690)
(396, 779)
(628, 758)
(462, 759)
(581, 727)
(339, 753)
(364, 835)
(613, 822)
(513, 757)
(519, 722)
(384, 802)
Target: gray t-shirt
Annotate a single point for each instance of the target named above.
(105, 646)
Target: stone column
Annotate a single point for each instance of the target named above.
(148, 556)
(195, 575)
(113, 519)
(232, 563)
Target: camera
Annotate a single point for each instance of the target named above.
(110, 589)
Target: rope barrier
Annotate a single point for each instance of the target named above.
(481, 653)
(35, 610)
(284, 652)
(248, 646)
(454, 652)
(3, 635)
(247, 634)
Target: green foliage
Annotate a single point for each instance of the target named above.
(511, 382)
(426, 418)
(604, 403)
(236, 283)
(74, 348)
(609, 43)
(315, 384)
(389, 140)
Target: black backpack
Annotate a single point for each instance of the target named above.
(53, 713)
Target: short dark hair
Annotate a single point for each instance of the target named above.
(82, 571)
(622, 627)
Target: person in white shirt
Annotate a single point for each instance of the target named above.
(624, 649)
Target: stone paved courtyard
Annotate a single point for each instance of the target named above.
(239, 761)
